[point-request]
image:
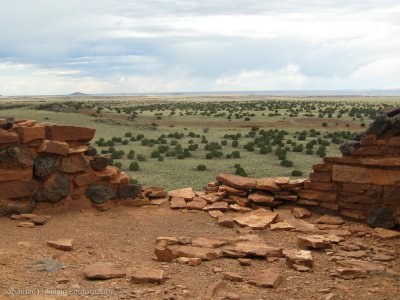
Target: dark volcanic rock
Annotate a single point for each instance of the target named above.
(8, 124)
(91, 151)
(396, 125)
(348, 147)
(100, 193)
(15, 157)
(358, 135)
(45, 166)
(394, 112)
(381, 217)
(378, 127)
(99, 162)
(129, 191)
(54, 189)
(19, 206)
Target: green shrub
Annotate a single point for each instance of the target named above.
(134, 166)
(297, 173)
(141, 157)
(286, 163)
(201, 168)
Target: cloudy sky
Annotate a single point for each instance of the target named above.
(122, 46)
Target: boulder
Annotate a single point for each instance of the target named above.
(45, 166)
(91, 151)
(54, 189)
(100, 193)
(225, 221)
(130, 191)
(281, 226)
(379, 126)
(99, 162)
(236, 181)
(107, 173)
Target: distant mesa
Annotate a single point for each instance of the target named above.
(78, 94)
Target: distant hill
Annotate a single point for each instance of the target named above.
(78, 94)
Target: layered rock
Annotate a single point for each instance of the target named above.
(42, 165)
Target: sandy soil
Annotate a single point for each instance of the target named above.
(126, 235)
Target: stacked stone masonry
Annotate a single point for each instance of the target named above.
(44, 165)
(365, 182)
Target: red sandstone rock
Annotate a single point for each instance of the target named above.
(321, 176)
(108, 173)
(18, 188)
(15, 174)
(70, 133)
(318, 195)
(8, 137)
(196, 204)
(178, 203)
(54, 147)
(238, 182)
(62, 244)
(229, 189)
(185, 193)
(103, 271)
(322, 186)
(260, 197)
(27, 134)
(146, 275)
(301, 212)
(243, 201)
(330, 220)
(85, 179)
(266, 279)
(258, 219)
(268, 184)
(74, 163)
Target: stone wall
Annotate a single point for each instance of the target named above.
(365, 182)
(45, 165)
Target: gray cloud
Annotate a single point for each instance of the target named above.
(192, 44)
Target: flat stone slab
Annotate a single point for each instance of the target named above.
(258, 219)
(103, 271)
(266, 279)
(146, 275)
(62, 244)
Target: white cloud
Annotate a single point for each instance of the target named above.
(100, 46)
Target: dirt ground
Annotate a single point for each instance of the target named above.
(125, 236)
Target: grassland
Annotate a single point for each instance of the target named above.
(264, 124)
